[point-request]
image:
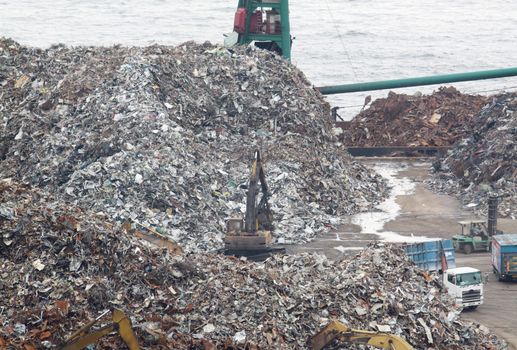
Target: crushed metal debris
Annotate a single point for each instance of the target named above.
(438, 119)
(66, 266)
(163, 137)
(484, 162)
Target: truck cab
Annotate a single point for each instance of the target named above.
(465, 285)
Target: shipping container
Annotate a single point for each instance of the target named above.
(504, 256)
(428, 255)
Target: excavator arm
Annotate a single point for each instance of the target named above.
(258, 217)
(337, 330)
(121, 324)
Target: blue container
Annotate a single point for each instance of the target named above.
(427, 255)
(504, 256)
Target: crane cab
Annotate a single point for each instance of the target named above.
(266, 23)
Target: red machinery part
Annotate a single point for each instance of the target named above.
(256, 22)
(239, 23)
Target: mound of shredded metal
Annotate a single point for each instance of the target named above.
(164, 137)
(62, 267)
(485, 161)
(438, 119)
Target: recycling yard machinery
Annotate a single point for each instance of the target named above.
(85, 337)
(266, 25)
(337, 331)
(476, 235)
(252, 237)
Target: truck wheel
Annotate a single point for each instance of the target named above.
(472, 307)
(467, 248)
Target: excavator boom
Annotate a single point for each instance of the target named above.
(257, 217)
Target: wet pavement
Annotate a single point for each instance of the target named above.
(414, 213)
(390, 209)
(409, 201)
(500, 307)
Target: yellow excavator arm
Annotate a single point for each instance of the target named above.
(121, 324)
(337, 330)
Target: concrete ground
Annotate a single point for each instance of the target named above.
(499, 309)
(424, 213)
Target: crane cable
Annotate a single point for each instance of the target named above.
(341, 40)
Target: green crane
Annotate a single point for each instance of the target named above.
(265, 23)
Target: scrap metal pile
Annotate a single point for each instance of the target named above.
(420, 120)
(484, 162)
(63, 266)
(163, 136)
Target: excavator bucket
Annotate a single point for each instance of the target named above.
(121, 324)
(125, 330)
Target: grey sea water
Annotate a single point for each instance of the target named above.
(337, 41)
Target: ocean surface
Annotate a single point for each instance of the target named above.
(337, 41)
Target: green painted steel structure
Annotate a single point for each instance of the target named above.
(282, 39)
(408, 82)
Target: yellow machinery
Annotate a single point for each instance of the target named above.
(337, 330)
(252, 238)
(152, 236)
(121, 324)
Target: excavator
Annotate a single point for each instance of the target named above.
(252, 238)
(337, 331)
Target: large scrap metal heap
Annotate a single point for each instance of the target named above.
(62, 266)
(437, 119)
(163, 136)
(101, 145)
(485, 160)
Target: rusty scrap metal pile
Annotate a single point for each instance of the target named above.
(63, 266)
(481, 131)
(420, 120)
(163, 136)
(485, 161)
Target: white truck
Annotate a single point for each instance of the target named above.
(463, 284)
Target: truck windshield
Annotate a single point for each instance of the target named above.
(467, 279)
